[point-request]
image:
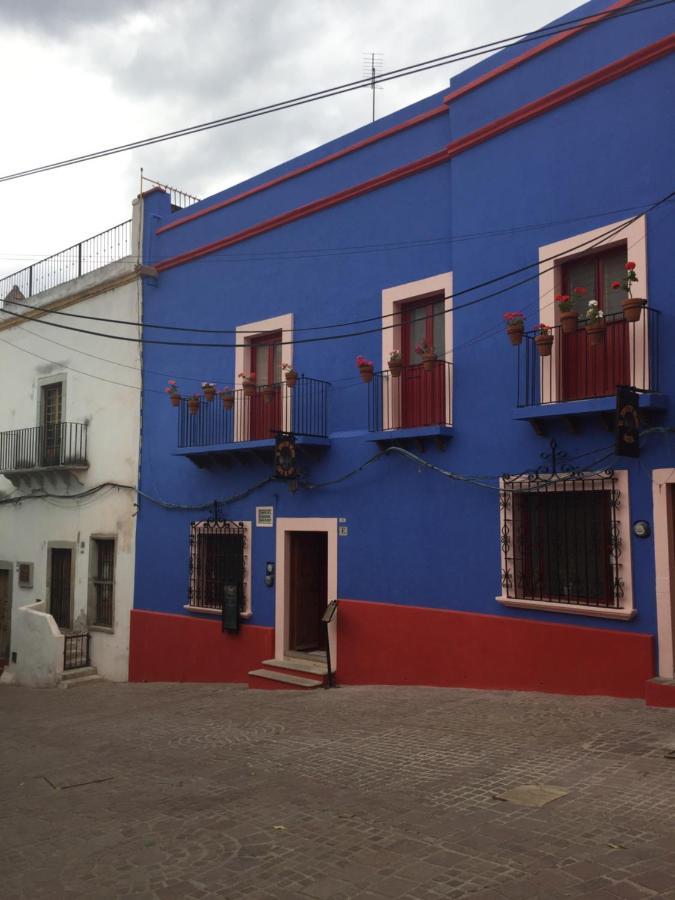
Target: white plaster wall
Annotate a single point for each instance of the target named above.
(39, 649)
(102, 389)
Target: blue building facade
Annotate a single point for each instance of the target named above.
(541, 173)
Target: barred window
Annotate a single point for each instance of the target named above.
(561, 540)
(218, 558)
(102, 569)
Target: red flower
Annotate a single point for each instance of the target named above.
(580, 291)
(629, 266)
(616, 284)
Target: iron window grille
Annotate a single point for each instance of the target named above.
(218, 558)
(103, 581)
(561, 538)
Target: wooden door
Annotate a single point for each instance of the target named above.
(595, 371)
(422, 393)
(265, 407)
(51, 424)
(5, 615)
(60, 587)
(308, 590)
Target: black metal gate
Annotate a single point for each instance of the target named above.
(59, 594)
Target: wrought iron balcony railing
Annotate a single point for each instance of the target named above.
(59, 446)
(627, 353)
(415, 398)
(255, 415)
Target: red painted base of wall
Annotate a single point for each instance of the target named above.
(381, 643)
(167, 647)
(659, 692)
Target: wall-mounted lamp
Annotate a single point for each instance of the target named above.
(269, 574)
(641, 529)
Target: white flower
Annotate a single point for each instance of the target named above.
(600, 314)
(592, 302)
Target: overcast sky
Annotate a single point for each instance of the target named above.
(81, 75)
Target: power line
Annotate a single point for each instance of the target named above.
(415, 68)
(319, 339)
(365, 248)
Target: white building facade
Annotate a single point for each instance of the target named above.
(69, 453)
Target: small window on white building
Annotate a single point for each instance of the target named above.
(102, 582)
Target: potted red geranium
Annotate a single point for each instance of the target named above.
(632, 306)
(227, 396)
(248, 383)
(171, 390)
(290, 374)
(515, 326)
(428, 355)
(395, 363)
(544, 339)
(568, 316)
(194, 403)
(365, 367)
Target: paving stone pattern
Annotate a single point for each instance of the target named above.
(194, 791)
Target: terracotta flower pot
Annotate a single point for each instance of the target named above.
(174, 399)
(395, 367)
(366, 373)
(291, 378)
(249, 388)
(193, 405)
(596, 332)
(632, 308)
(544, 343)
(569, 321)
(428, 360)
(209, 394)
(228, 399)
(515, 333)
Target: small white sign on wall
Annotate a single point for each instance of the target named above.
(264, 516)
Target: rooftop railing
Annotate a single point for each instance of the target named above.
(80, 259)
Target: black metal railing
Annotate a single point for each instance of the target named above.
(414, 398)
(80, 259)
(561, 539)
(627, 353)
(179, 199)
(218, 551)
(76, 651)
(256, 415)
(62, 445)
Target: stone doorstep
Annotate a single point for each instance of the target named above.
(292, 681)
(296, 664)
(76, 677)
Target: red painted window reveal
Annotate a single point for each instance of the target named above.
(265, 407)
(422, 392)
(595, 371)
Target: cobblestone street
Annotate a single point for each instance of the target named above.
(190, 791)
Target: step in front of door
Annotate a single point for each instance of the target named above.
(266, 680)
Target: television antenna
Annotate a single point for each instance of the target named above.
(372, 67)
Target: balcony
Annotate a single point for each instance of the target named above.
(579, 378)
(245, 426)
(414, 406)
(46, 452)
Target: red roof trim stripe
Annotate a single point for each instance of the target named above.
(374, 138)
(534, 51)
(550, 101)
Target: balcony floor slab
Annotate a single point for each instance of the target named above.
(262, 449)
(592, 407)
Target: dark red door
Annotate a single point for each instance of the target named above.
(308, 590)
(595, 371)
(422, 392)
(265, 406)
(60, 588)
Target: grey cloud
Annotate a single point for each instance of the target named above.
(59, 18)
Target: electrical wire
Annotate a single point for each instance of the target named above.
(593, 242)
(378, 248)
(405, 71)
